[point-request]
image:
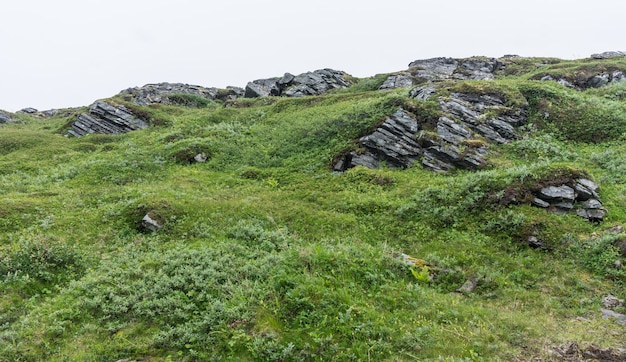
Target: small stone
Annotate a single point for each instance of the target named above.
(582, 192)
(28, 110)
(150, 224)
(567, 206)
(200, 157)
(588, 184)
(593, 204)
(596, 215)
(540, 203)
(562, 193)
(534, 242)
(612, 302)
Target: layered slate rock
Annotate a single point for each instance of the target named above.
(436, 69)
(106, 119)
(579, 196)
(393, 143)
(459, 138)
(306, 84)
(161, 93)
(5, 118)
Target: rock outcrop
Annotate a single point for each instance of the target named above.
(578, 196)
(459, 138)
(582, 81)
(609, 54)
(41, 114)
(393, 143)
(5, 118)
(306, 84)
(161, 93)
(107, 119)
(428, 70)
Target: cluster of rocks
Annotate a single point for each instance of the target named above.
(107, 119)
(459, 139)
(428, 70)
(306, 84)
(608, 55)
(161, 93)
(41, 114)
(580, 196)
(582, 81)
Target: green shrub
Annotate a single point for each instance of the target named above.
(41, 259)
(599, 254)
(189, 100)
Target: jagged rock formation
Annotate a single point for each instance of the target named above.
(5, 118)
(161, 93)
(393, 142)
(107, 119)
(459, 138)
(579, 196)
(428, 70)
(306, 84)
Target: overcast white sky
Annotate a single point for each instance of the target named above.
(65, 53)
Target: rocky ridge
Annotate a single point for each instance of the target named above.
(306, 84)
(162, 93)
(437, 69)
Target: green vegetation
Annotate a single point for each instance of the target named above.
(265, 254)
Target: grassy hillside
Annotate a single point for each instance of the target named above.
(265, 254)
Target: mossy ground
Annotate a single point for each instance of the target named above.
(266, 254)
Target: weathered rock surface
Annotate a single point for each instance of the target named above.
(609, 54)
(393, 142)
(148, 223)
(107, 119)
(5, 118)
(400, 80)
(428, 70)
(460, 136)
(161, 92)
(28, 110)
(581, 81)
(579, 196)
(41, 114)
(306, 84)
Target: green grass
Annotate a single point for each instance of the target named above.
(265, 254)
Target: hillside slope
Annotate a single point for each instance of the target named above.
(462, 209)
